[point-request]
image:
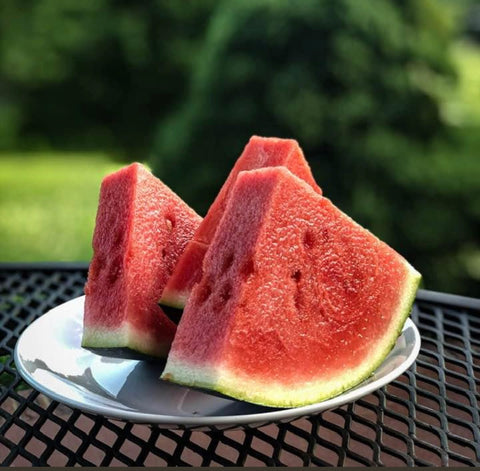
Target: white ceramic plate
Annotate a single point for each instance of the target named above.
(49, 357)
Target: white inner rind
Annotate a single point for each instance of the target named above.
(126, 336)
(221, 379)
(177, 300)
(97, 337)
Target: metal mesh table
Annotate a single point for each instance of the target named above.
(428, 416)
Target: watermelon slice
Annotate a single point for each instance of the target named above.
(297, 302)
(259, 152)
(142, 228)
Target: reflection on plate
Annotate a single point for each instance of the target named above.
(49, 357)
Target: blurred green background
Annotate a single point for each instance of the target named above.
(383, 96)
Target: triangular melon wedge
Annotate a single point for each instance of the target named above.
(297, 302)
(259, 152)
(142, 228)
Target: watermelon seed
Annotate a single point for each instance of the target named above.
(228, 262)
(298, 301)
(247, 269)
(309, 240)
(297, 276)
(170, 222)
(164, 253)
(226, 292)
(204, 293)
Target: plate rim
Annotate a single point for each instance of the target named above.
(276, 415)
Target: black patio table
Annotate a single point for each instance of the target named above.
(428, 416)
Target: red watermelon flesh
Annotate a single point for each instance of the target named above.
(185, 275)
(141, 229)
(297, 302)
(259, 152)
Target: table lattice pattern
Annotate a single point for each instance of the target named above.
(428, 416)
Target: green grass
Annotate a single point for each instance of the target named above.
(48, 204)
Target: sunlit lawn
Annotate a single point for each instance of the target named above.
(48, 205)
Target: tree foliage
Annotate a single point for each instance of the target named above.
(355, 84)
(95, 72)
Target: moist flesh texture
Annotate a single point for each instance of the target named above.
(141, 229)
(297, 302)
(185, 276)
(259, 152)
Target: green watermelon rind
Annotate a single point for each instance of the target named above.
(124, 337)
(267, 394)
